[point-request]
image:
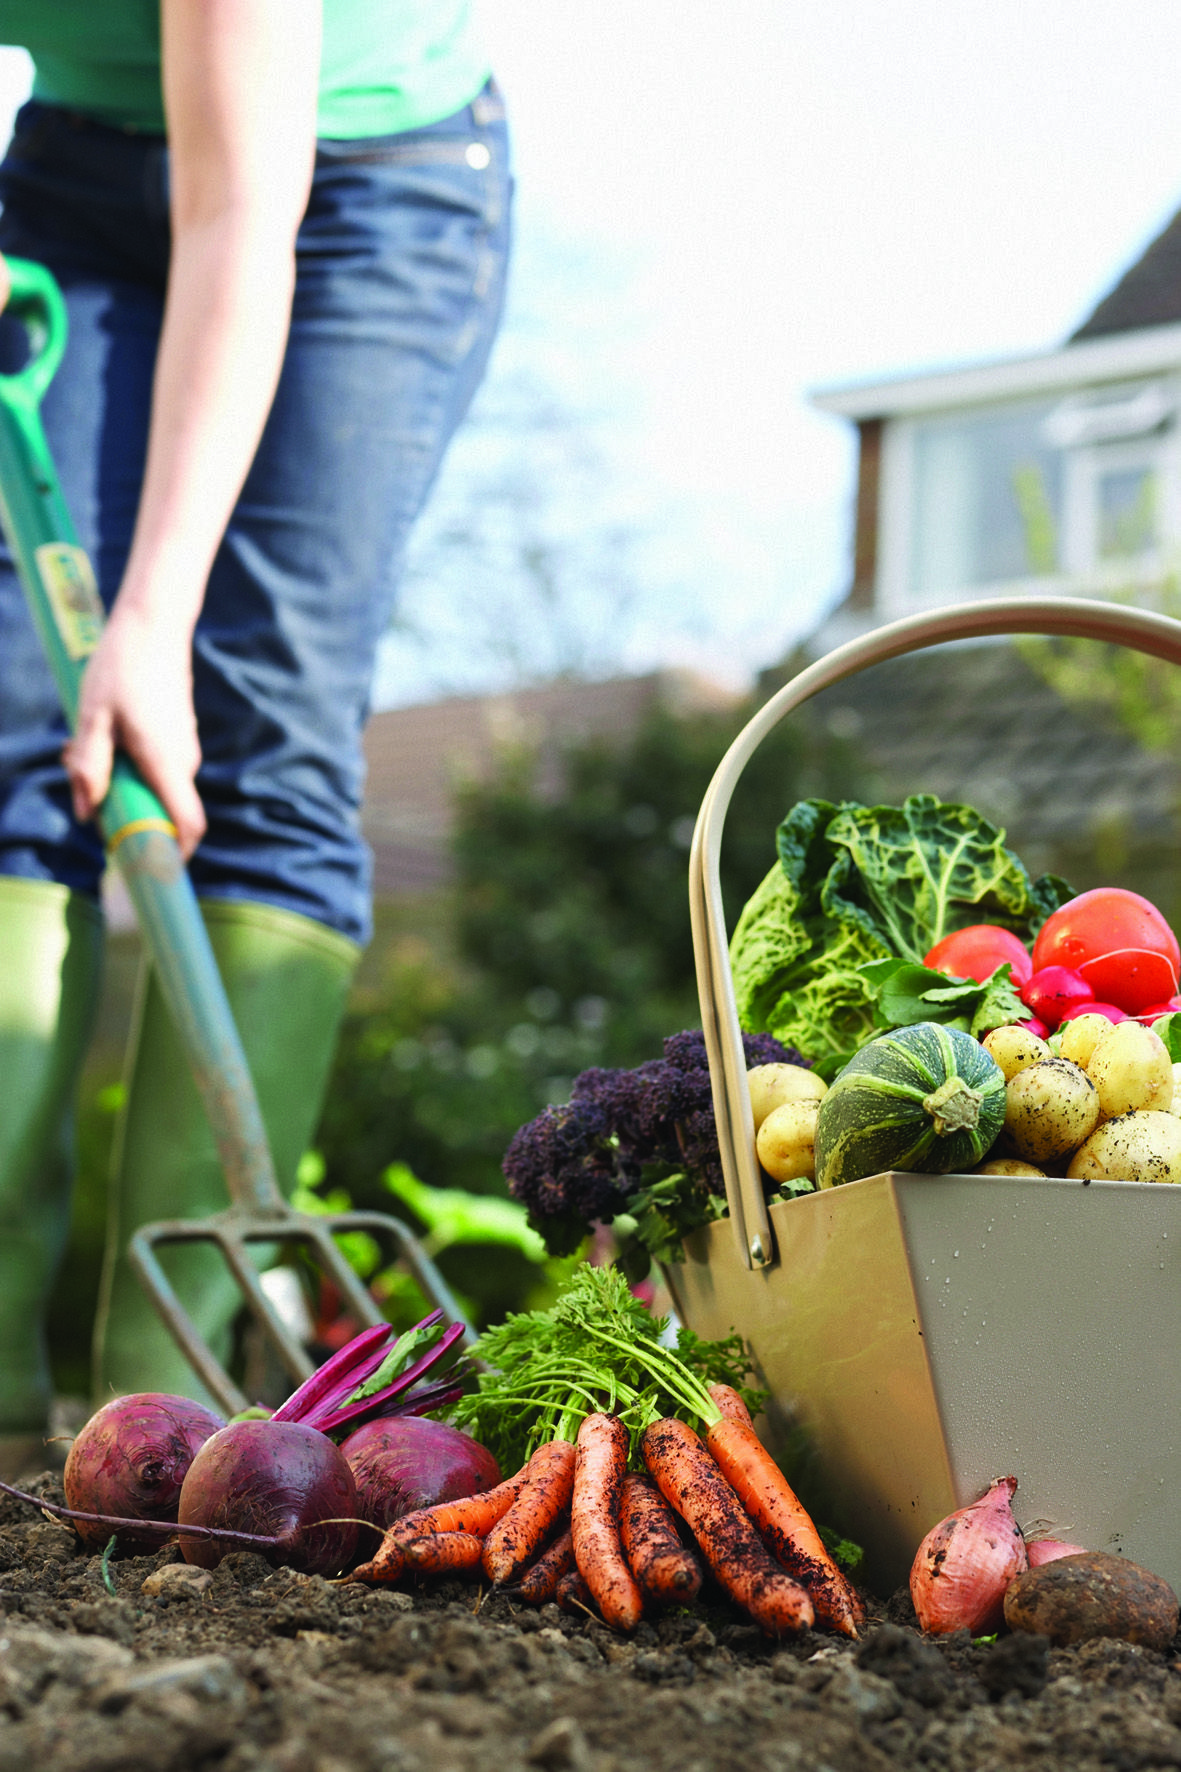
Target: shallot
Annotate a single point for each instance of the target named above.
(965, 1563)
(1048, 1550)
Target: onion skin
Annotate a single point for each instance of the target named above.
(276, 1478)
(1048, 1550)
(965, 1563)
(403, 1462)
(130, 1460)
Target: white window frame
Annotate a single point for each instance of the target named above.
(1082, 570)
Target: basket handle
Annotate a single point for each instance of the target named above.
(1078, 617)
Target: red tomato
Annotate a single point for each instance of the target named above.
(977, 951)
(1054, 990)
(1107, 1009)
(1118, 942)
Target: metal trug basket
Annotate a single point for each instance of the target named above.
(923, 1334)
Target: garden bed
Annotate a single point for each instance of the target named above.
(260, 1670)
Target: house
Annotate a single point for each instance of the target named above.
(1057, 472)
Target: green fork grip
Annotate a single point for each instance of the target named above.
(63, 600)
(55, 572)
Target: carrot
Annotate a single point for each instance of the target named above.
(666, 1570)
(443, 1553)
(786, 1526)
(515, 1539)
(594, 1520)
(540, 1581)
(689, 1479)
(573, 1595)
(470, 1513)
(730, 1403)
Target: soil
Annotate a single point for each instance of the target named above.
(266, 1670)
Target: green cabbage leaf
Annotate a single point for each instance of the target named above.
(859, 884)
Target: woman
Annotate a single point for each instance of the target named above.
(281, 228)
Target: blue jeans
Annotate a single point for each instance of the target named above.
(401, 262)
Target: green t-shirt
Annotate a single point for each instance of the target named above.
(387, 65)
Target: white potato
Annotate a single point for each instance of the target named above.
(1009, 1166)
(1141, 1146)
(1050, 1107)
(771, 1085)
(1014, 1049)
(1077, 1039)
(1175, 1104)
(786, 1141)
(1131, 1069)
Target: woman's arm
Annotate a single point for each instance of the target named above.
(240, 84)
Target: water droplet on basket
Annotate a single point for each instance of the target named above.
(955, 1255)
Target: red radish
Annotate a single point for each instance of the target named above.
(130, 1460)
(278, 1478)
(1033, 1026)
(1156, 1010)
(1054, 990)
(965, 1563)
(1048, 1550)
(404, 1462)
(1108, 1009)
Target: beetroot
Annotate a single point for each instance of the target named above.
(278, 1479)
(407, 1461)
(130, 1460)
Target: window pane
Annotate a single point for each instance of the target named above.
(1126, 500)
(988, 499)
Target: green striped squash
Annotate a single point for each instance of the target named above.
(926, 1098)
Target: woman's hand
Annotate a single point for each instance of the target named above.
(137, 695)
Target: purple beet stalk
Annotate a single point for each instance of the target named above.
(368, 1377)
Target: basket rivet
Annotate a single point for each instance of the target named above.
(757, 1252)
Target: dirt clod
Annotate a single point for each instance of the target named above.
(265, 1670)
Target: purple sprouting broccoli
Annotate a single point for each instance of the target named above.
(641, 1142)
(565, 1168)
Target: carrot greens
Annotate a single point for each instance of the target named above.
(597, 1349)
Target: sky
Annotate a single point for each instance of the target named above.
(792, 195)
(722, 207)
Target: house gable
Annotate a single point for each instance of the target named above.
(1148, 293)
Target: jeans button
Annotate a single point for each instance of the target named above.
(477, 156)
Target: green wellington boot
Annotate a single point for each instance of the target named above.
(287, 979)
(51, 944)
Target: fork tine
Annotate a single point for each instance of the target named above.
(141, 1254)
(231, 1232)
(291, 1352)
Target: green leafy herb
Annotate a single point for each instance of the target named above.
(660, 1214)
(904, 994)
(857, 884)
(597, 1348)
